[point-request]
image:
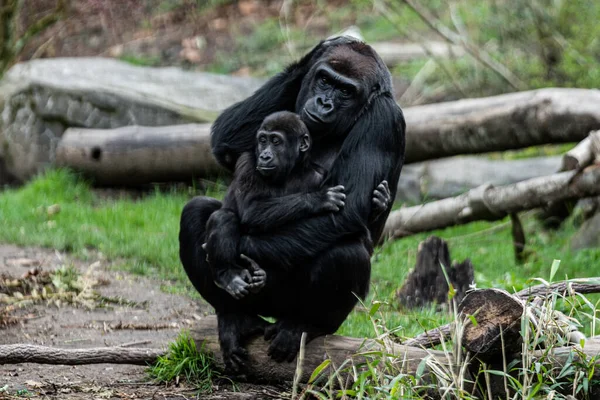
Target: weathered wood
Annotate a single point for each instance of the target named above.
(498, 322)
(566, 288)
(492, 203)
(430, 338)
(29, 353)
(575, 159)
(427, 282)
(467, 126)
(581, 155)
(134, 154)
(340, 350)
(509, 121)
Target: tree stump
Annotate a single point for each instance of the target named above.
(427, 283)
(498, 323)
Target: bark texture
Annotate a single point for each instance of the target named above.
(29, 353)
(133, 154)
(492, 203)
(509, 121)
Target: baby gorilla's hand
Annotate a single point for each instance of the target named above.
(333, 199)
(258, 276)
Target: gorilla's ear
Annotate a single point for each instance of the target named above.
(304, 143)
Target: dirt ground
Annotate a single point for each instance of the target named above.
(69, 326)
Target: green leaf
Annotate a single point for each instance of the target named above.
(555, 265)
(318, 370)
(374, 308)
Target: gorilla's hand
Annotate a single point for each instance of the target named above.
(381, 199)
(258, 278)
(238, 283)
(333, 199)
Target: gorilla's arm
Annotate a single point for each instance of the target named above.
(235, 129)
(365, 160)
(262, 215)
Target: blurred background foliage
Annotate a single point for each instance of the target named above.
(540, 43)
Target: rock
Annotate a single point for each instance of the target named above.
(41, 98)
(588, 235)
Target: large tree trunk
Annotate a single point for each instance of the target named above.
(498, 123)
(134, 154)
(492, 203)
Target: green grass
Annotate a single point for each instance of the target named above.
(183, 360)
(141, 235)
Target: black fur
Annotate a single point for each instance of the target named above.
(318, 266)
(259, 201)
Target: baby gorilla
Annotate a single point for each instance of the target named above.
(276, 185)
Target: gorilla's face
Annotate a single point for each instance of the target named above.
(281, 144)
(335, 91)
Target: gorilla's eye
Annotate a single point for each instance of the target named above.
(345, 91)
(324, 79)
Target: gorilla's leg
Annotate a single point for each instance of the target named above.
(237, 320)
(192, 235)
(330, 291)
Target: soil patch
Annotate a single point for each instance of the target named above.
(162, 315)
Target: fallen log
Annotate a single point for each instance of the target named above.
(469, 126)
(341, 350)
(492, 203)
(571, 287)
(509, 121)
(135, 154)
(29, 353)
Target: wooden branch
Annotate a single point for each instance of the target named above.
(135, 154)
(581, 155)
(491, 203)
(566, 288)
(498, 123)
(431, 338)
(29, 353)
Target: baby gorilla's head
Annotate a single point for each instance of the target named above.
(282, 143)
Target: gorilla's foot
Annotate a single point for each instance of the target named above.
(234, 330)
(235, 355)
(285, 339)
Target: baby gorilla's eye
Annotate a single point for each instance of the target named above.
(262, 140)
(276, 141)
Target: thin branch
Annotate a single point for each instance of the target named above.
(28, 353)
(478, 54)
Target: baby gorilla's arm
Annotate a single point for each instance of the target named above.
(268, 214)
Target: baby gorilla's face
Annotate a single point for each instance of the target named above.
(281, 143)
(272, 151)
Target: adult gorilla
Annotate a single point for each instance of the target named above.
(318, 266)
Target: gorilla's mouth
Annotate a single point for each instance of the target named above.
(312, 117)
(265, 169)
